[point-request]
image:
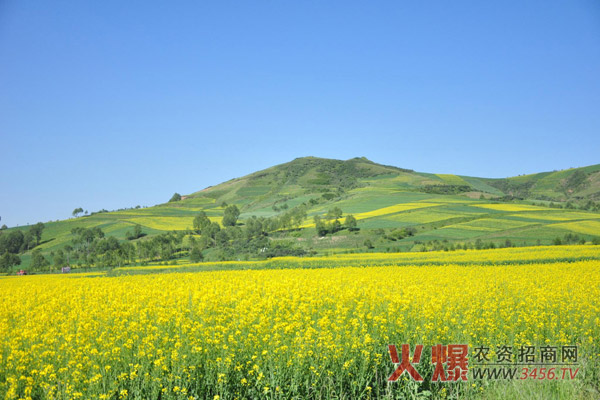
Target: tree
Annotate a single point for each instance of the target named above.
(334, 213)
(28, 241)
(36, 230)
(368, 244)
(13, 242)
(221, 238)
(320, 226)
(285, 221)
(126, 253)
(77, 211)
(8, 260)
(231, 215)
(335, 226)
(205, 242)
(68, 249)
(201, 221)
(211, 230)
(137, 233)
(350, 223)
(298, 216)
(196, 254)
(4, 227)
(59, 259)
(38, 261)
(254, 228)
(175, 197)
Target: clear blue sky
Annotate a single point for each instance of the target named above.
(110, 104)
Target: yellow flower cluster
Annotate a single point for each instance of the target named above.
(275, 333)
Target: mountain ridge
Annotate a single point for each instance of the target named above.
(521, 186)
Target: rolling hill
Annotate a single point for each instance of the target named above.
(396, 209)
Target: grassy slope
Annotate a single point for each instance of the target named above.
(380, 197)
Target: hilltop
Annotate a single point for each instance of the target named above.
(314, 175)
(395, 209)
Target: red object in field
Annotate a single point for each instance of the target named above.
(22, 272)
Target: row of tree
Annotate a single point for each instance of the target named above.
(90, 247)
(331, 222)
(235, 240)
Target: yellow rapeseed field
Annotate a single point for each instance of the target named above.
(510, 207)
(304, 333)
(590, 227)
(394, 209)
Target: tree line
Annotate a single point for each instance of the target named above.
(331, 222)
(90, 247)
(15, 242)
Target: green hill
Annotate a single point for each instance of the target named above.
(396, 209)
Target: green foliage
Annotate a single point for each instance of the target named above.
(350, 223)
(29, 241)
(59, 259)
(8, 260)
(175, 197)
(136, 234)
(292, 218)
(334, 213)
(36, 230)
(38, 261)
(200, 222)
(575, 181)
(12, 242)
(282, 249)
(446, 189)
(196, 254)
(320, 226)
(513, 189)
(211, 230)
(569, 238)
(77, 211)
(399, 234)
(231, 215)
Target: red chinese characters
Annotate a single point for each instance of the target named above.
(455, 356)
(405, 364)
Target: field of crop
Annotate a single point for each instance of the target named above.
(298, 332)
(591, 227)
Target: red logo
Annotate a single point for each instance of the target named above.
(451, 362)
(405, 364)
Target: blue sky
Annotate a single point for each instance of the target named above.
(112, 104)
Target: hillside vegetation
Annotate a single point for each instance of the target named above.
(302, 208)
